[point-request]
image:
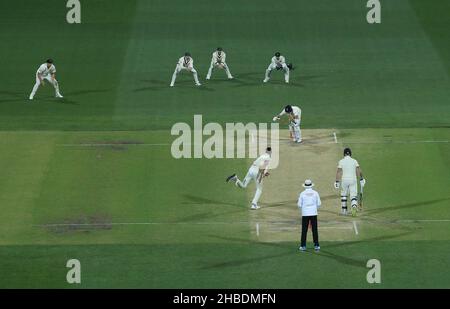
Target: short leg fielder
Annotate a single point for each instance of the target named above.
(272, 67)
(178, 69)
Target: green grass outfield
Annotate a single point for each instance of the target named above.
(91, 176)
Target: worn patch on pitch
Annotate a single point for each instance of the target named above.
(84, 224)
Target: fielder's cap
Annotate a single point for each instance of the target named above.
(49, 61)
(187, 54)
(219, 48)
(347, 152)
(268, 149)
(277, 54)
(308, 183)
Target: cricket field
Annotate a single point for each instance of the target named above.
(91, 176)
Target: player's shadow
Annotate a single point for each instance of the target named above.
(153, 85)
(206, 201)
(17, 96)
(406, 206)
(84, 91)
(294, 202)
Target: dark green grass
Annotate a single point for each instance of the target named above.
(405, 264)
(115, 67)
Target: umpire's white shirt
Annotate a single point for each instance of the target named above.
(309, 201)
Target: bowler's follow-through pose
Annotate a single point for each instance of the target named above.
(185, 63)
(278, 62)
(47, 72)
(257, 172)
(218, 61)
(347, 171)
(295, 115)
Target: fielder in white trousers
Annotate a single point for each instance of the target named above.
(185, 63)
(46, 72)
(277, 62)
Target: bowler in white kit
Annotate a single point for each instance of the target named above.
(257, 172)
(278, 62)
(346, 178)
(295, 114)
(46, 71)
(218, 61)
(185, 63)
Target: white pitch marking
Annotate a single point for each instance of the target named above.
(423, 220)
(335, 138)
(355, 227)
(257, 229)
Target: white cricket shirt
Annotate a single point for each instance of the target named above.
(45, 71)
(309, 201)
(348, 166)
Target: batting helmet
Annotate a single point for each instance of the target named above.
(288, 109)
(347, 152)
(277, 54)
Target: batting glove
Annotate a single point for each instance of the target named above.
(276, 118)
(336, 184)
(362, 182)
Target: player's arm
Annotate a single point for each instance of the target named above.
(338, 178)
(360, 176)
(277, 117)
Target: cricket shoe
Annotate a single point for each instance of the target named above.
(265, 80)
(353, 211)
(299, 141)
(317, 248)
(343, 212)
(301, 248)
(31, 97)
(171, 85)
(232, 177)
(208, 78)
(254, 207)
(198, 84)
(230, 77)
(58, 95)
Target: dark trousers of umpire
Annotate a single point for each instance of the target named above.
(305, 223)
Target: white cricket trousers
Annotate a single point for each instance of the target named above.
(47, 78)
(252, 174)
(211, 68)
(273, 66)
(177, 71)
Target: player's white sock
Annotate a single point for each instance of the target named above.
(196, 78)
(227, 70)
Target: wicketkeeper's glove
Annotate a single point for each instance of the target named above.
(336, 184)
(362, 182)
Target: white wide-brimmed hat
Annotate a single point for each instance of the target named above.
(308, 183)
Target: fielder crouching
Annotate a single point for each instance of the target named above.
(185, 63)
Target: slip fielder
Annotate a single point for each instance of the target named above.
(185, 63)
(46, 71)
(295, 114)
(347, 172)
(278, 62)
(218, 61)
(257, 172)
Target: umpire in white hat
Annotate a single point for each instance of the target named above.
(309, 202)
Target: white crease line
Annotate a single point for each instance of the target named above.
(335, 138)
(423, 220)
(355, 227)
